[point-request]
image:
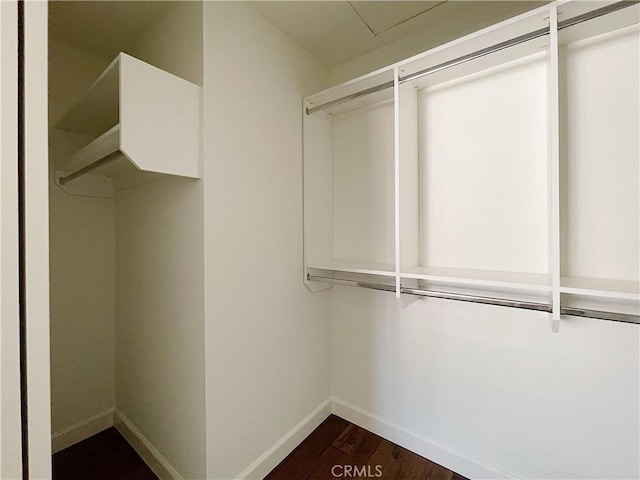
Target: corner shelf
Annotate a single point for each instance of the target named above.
(149, 116)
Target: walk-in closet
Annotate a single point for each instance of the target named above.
(308, 240)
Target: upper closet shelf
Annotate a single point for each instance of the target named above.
(143, 118)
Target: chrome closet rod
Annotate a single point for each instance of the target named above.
(351, 283)
(462, 297)
(600, 315)
(501, 302)
(92, 166)
(353, 96)
(477, 54)
(544, 307)
(614, 7)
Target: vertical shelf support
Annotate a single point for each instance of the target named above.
(396, 140)
(554, 157)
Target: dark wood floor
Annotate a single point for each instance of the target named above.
(336, 449)
(104, 456)
(342, 446)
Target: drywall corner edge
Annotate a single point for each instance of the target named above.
(147, 451)
(81, 430)
(438, 452)
(287, 443)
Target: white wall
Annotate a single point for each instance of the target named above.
(82, 262)
(159, 329)
(174, 41)
(267, 337)
(71, 73)
(494, 383)
(159, 286)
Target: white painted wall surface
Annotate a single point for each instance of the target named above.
(159, 311)
(82, 235)
(267, 337)
(493, 383)
(71, 73)
(602, 252)
(10, 443)
(159, 281)
(174, 42)
(483, 170)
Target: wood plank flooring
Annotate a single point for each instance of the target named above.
(339, 449)
(104, 456)
(336, 449)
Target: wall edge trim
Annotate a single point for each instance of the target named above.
(143, 447)
(287, 443)
(81, 430)
(437, 452)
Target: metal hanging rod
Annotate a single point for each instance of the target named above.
(353, 96)
(351, 283)
(92, 166)
(600, 315)
(474, 55)
(614, 7)
(501, 302)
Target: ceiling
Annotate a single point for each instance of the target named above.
(337, 31)
(102, 27)
(333, 31)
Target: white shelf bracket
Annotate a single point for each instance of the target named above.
(554, 164)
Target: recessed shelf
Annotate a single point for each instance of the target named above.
(597, 287)
(149, 116)
(481, 278)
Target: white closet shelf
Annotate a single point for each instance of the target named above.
(598, 287)
(534, 73)
(142, 116)
(104, 145)
(367, 268)
(481, 278)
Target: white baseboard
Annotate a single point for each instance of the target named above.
(440, 453)
(80, 431)
(150, 454)
(283, 447)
